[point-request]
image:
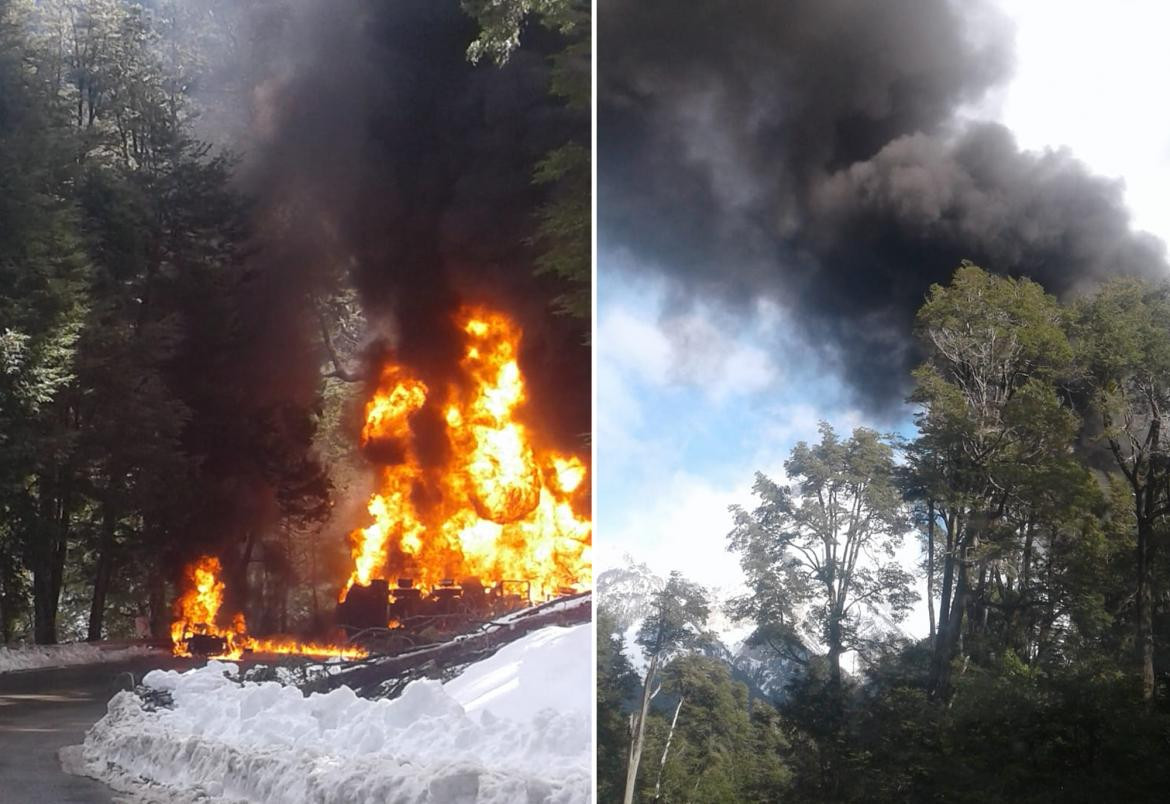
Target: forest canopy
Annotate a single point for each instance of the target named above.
(1036, 486)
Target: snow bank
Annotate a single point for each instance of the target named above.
(548, 669)
(512, 728)
(62, 655)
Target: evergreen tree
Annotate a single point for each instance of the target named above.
(564, 233)
(1124, 348)
(617, 688)
(676, 624)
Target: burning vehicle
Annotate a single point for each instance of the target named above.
(501, 515)
(501, 523)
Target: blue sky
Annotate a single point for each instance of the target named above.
(689, 405)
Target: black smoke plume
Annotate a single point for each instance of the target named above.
(372, 152)
(377, 149)
(818, 153)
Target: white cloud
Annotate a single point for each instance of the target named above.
(681, 525)
(697, 348)
(706, 355)
(634, 345)
(1091, 76)
(798, 421)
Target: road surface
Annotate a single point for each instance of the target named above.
(46, 709)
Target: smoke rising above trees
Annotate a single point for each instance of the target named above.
(822, 155)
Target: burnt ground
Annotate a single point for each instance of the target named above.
(45, 709)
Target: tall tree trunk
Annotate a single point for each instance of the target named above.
(1145, 620)
(948, 579)
(313, 583)
(942, 636)
(282, 619)
(1022, 623)
(638, 731)
(241, 582)
(49, 568)
(835, 651)
(666, 749)
(1148, 484)
(285, 577)
(44, 608)
(4, 616)
(930, 566)
(101, 581)
(1026, 578)
(160, 614)
(977, 622)
(947, 643)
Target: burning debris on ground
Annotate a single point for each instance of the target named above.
(389, 658)
(195, 630)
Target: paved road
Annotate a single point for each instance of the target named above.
(44, 710)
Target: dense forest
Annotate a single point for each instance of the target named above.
(1037, 485)
(202, 253)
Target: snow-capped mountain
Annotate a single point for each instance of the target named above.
(628, 592)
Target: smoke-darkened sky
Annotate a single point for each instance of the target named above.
(376, 148)
(821, 154)
(780, 182)
(372, 152)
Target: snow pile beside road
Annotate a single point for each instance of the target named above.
(37, 656)
(548, 669)
(512, 728)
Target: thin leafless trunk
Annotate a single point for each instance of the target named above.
(666, 749)
(638, 731)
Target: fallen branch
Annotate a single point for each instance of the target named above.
(461, 649)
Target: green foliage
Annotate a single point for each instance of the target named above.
(802, 547)
(564, 222)
(565, 229)
(723, 747)
(679, 615)
(43, 267)
(501, 21)
(617, 687)
(1039, 477)
(120, 253)
(713, 750)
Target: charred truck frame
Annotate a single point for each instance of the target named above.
(447, 607)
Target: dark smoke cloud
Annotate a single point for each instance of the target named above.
(816, 152)
(373, 147)
(371, 150)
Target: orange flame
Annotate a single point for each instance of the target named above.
(197, 612)
(500, 510)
